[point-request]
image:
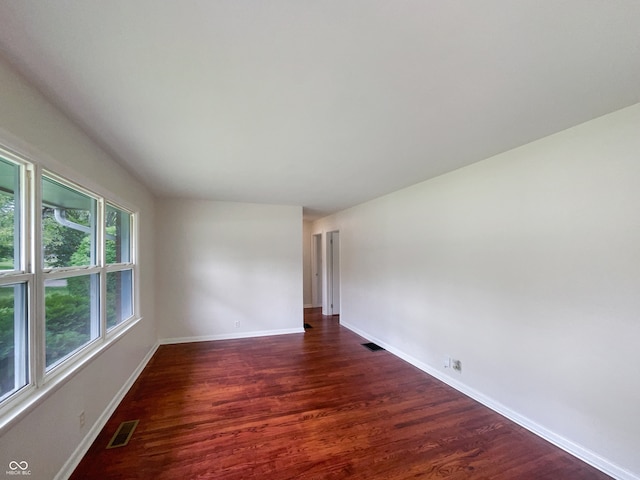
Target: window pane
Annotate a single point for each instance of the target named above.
(118, 229)
(119, 297)
(13, 339)
(71, 315)
(9, 216)
(68, 226)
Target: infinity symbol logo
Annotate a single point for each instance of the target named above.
(13, 465)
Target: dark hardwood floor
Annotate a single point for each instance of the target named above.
(316, 405)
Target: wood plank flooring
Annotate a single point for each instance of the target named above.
(316, 405)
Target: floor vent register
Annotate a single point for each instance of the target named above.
(123, 434)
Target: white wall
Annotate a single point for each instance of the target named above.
(222, 262)
(48, 435)
(525, 267)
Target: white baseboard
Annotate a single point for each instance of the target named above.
(230, 336)
(73, 461)
(559, 441)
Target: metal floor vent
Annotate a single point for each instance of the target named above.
(123, 434)
(372, 346)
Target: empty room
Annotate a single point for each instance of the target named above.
(319, 240)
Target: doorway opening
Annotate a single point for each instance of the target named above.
(333, 273)
(316, 270)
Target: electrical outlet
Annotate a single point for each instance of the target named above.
(446, 362)
(237, 323)
(456, 365)
(82, 419)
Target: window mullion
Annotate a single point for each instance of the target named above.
(26, 278)
(54, 273)
(36, 320)
(102, 262)
(116, 267)
(21, 335)
(135, 259)
(20, 277)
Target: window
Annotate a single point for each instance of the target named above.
(119, 297)
(118, 259)
(72, 275)
(67, 277)
(10, 206)
(71, 315)
(68, 226)
(14, 338)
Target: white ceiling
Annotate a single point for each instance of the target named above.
(323, 104)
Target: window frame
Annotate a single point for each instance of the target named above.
(43, 381)
(68, 271)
